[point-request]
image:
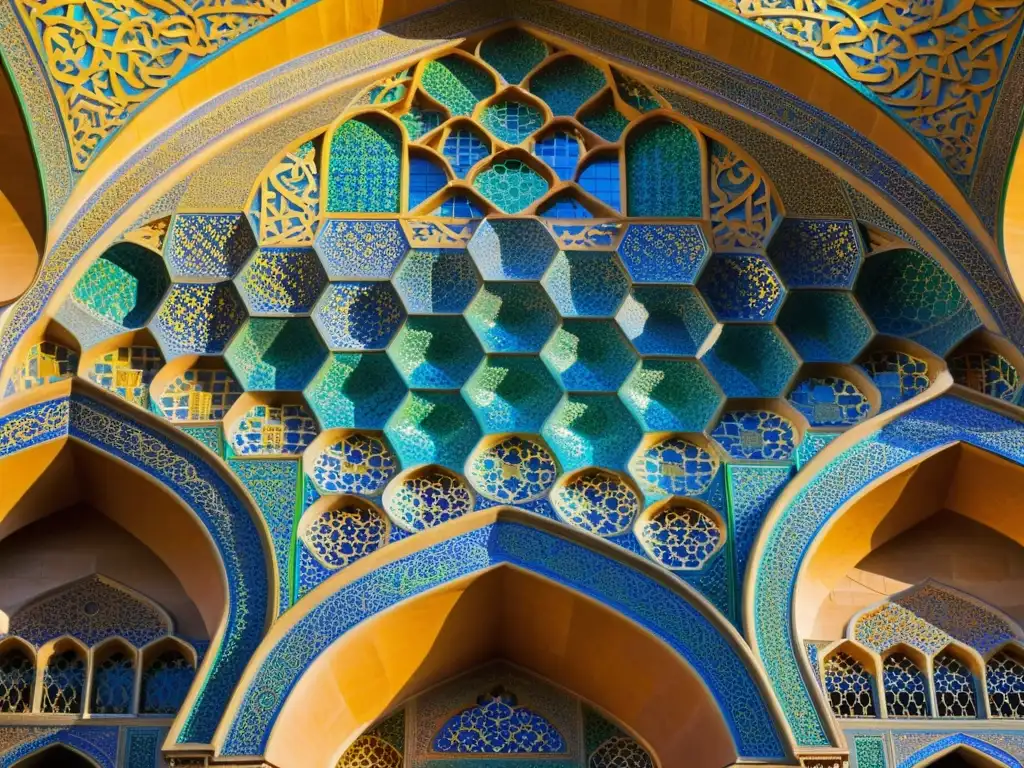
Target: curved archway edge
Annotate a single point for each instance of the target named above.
(509, 537)
(784, 543)
(98, 744)
(222, 509)
(948, 744)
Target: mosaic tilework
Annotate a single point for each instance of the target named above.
(591, 430)
(92, 610)
(513, 53)
(848, 686)
(586, 283)
(17, 678)
(899, 376)
(933, 424)
(198, 318)
(829, 401)
(605, 120)
(598, 501)
(370, 752)
(278, 281)
(359, 249)
(869, 752)
(198, 394)
(511, 184)
(511, 121)
(566, 84)
(427, 497)
(663, 171)
(142, 747)
(457, 83)
(497, 725)
(616, 584)
(338, 537)
(743, 204)
(273, 429)
(943, 743)
(436, 281)
(906, 687)
(123, 286)
(364, 166)
(97, 743)
(954, 688)
(512, 470)
(986, 372)
(357, 391)
(680, 537)
(589, 355)
(751, 361)
(43, 363)
(665, 320)
(286, 207)
(274, 486)
(435, 352)
(357, 463)
(207, 245)
(673, 467)
(664, 253)
(433, 428)
(510, 393)
(824, 326)
(1004, 677)
(512, 317)
(621, 751)
(358, 316)
(910, 295)
(275, 353)
(817, 253)
(756, 435)
(127, 372)
(671, 395)
(742, 286)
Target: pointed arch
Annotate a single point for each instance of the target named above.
(937, 749)
(174, 462)
(433, 599)
(96, 744)
(861, 459)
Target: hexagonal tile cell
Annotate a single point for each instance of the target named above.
(673, 466)
(664, 253)
(825, 326)
(427, 496)
(599, 501)
(355, 390)
(208, 245)
(433, 428)
(437, 280)
(512, 393)
(276, 353)
(435, 352)
(665, 320)
(817, 253)
(586, 283)
(898, 375)
(510, 183)
(355, 462)
(277, 281)
(267, 430)
(756, 435)
(512, 317)
(671, 395)
(830, 401)
(198, 318)
(354, 249)
(358, 316)
(123, 286)
(592, 430)
(589, 355)
(680, 536)
(751, 361)
(512, 249)
(908, 294)
(742, 286)
(512, 470)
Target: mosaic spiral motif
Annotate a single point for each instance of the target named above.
(497, 725)
(680, 537)
(848, 686)
(426, 498)
(598, 501)
(357, 463)
(339, 537)
(512, 471)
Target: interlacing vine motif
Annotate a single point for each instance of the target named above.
(935, 66)
(105, 59)
(287, 204)
(743, 206)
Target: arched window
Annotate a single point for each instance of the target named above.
(113, 680)
(64, 681)
(1005, 680)
(17, 673)
(906, 688)
(954, 687)
(165, 682)
(849, 686)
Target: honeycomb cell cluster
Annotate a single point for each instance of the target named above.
(512, 275)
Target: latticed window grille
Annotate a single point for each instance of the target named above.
(17, 673)
(165, 683)
(906, 688)
(954, 688)
(113, 685)
(64, 683)
(849, 687)
(1005, 680)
